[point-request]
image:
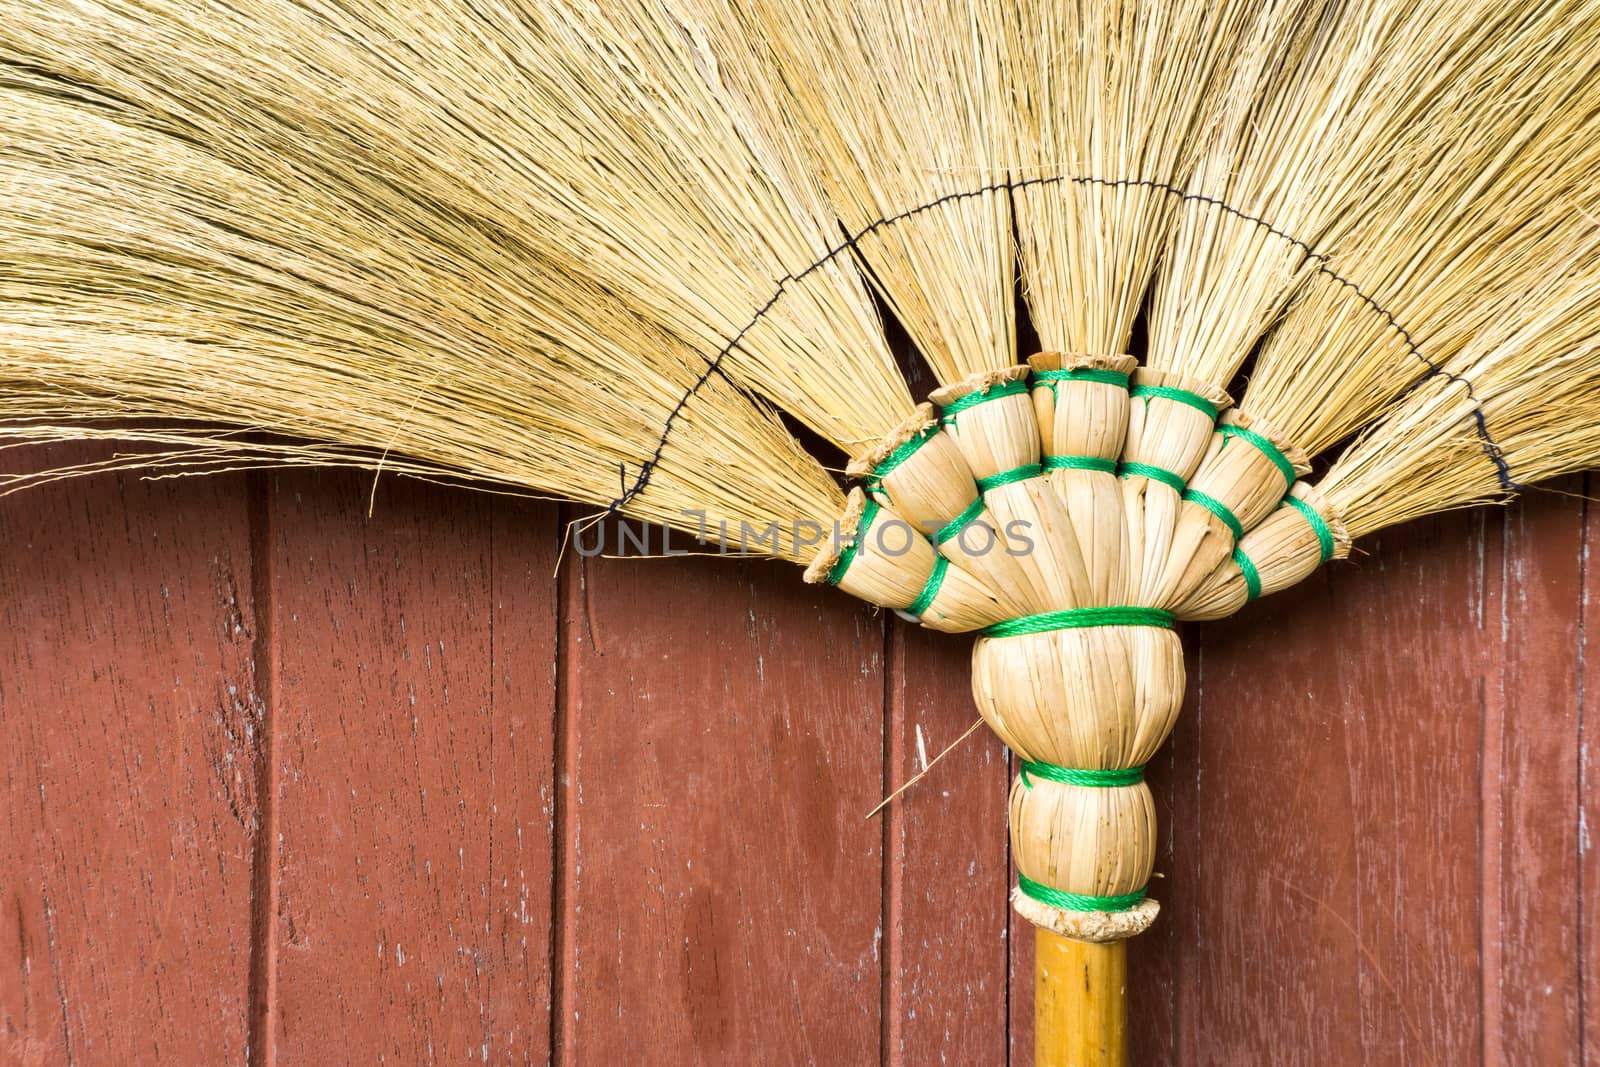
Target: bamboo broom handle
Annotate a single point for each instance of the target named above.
(1080, 1011)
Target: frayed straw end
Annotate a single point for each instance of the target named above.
(1097, 927)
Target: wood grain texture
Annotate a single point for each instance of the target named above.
(722, 888)
(1375, 809)
(128, 740)
(414, 695)
(948, 921)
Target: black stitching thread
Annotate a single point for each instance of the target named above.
(1491, 448)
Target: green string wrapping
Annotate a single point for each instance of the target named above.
(1010, 477)
(960, 522)
(1079, 619)
(1317, 523)
(1263, 445)
(848, 556)
(1182, 396)
(930, 589)
(1155, 474)
(1252, 577)
(1080, 463)
(1217, 508)
(907, 449)
(1060, 898)
(1093, 779)
(994, 392)
(1049, 378)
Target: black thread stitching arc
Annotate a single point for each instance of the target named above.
(1491, 448)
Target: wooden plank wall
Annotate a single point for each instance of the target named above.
(288, 784)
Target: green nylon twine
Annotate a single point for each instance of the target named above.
(994, 392)
(1094, 779)
(1155, 474)
(1060, 898)
(1182, 396)
(1080, 463)
(1252, 577)
(1324, 534)
(960, 522)
(848, 556)
(930, 589)
(898, 456)
(1217, 508)
(1080, 619)
(1010, 477)
(1049, 378)
(1263, 445)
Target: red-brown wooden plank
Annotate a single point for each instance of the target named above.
(722, 889)
(413, 703)
(1588, 889)
(1531, 785)
(949, 870)
(128, 726)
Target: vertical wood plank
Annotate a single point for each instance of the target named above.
(1335, 871)
(722, 887)
(1531, 872)
(948, 864)
(1589, 789)
(414, 698)
(128, 738)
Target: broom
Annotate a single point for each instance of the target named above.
(981, 431)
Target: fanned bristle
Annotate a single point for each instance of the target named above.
(599, 134)
(1107, 108)
(148, 280)
(1340, 124)
(1506, 203)
(899, 106)
(1521, 403)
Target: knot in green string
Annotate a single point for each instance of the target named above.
(1060, 898)
(1092, 779)
(1080, 618)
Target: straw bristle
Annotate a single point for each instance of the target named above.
(1535, 385)
(599, 134)
(899, 107)
(148, 279)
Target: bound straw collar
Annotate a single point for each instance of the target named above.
(1252, 576)
(1091, 779)
(930, 589)
(1181, 396)
(905, 451)
(1217, 508)
(1079, 619)
(1167, 478)
(1015, 474)
(1060, 898)
(1317, 523)
(1080, 463)
(982, 396)
(848, 555)
(1049, 378)
(1263, 445)
(960, 522)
